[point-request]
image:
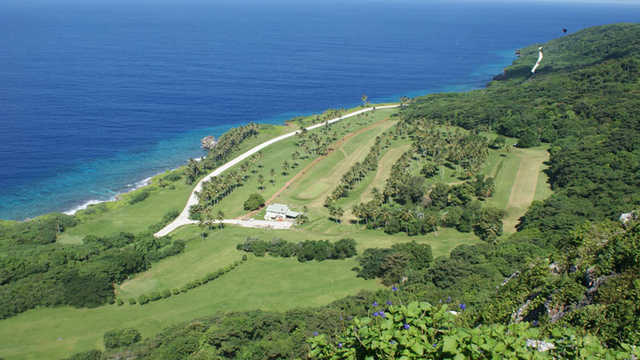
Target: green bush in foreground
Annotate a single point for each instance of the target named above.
(422, 331)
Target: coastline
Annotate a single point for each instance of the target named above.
(130, 188)
(282, 121)
(133, 187)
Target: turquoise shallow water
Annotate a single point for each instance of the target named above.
(97, 96)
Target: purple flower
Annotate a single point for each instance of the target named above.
(383, 314)
(463, 306)
(448, 299)
(340, 345)
(375, 314)
(435, 344)
(375, 303)
(406, 326)
(392, 342)
(394, 289)
(315, 333)
(389, 302)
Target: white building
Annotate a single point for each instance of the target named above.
(280, 212)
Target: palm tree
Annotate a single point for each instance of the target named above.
(285, 167)
(404, 101)
(272, 172)
(260, 182)
(220, 217)
(406, 216)
(386, 216)
(203, 232)
(336, 213)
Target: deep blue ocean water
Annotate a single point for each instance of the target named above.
(97, 95)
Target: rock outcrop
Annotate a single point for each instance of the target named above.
(208, 142)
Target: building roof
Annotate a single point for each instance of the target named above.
(292, 214)
(282, 209)
(278, 208)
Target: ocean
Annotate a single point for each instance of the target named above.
(96, 96)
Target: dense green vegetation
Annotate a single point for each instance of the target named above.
(80, 276)
(318, 250)
(254, 202)
(37, 271)
(584, 102)
(567, 280)
(422, 331)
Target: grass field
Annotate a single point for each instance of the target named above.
(383, 171)
(261, 283)
(519, 181)
(116, 216)
(57, 332)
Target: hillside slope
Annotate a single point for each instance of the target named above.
(568, 276)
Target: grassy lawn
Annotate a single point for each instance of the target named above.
(519, 181)
(312, 189)
(275, 155)
(384, 170)
(113, 217)
(131, 218)
(261, 283)
(116, 216)
(543, 189)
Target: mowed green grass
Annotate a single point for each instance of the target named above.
(218, 249)
(132, 218)
(261, 283)
(274, 156)
(513, 171)
(383, 172)
(121, 216)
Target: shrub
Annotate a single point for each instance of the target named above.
(139, 196)
(86, 355)
(528, 139)
(143, 299)
(132, 301)
(121, 337)
(255, 201)
(173, 177)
